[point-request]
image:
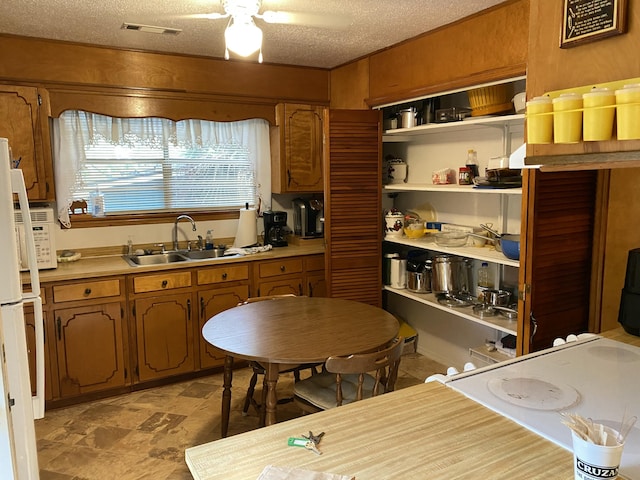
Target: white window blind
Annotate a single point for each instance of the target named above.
(155, 165)
(145, 178)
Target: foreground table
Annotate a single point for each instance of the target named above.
(425, 431)
(292, 331)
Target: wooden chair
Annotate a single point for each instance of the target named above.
(259, 369)
(349, 379)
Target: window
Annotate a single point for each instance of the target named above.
(143, 165)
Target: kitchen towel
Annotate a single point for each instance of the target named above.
(247, 234)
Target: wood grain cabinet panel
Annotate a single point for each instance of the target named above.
(24, 122)
(90, 348)
(279, 277)
(161, 281)
(211, 302)
(315, 282)
(227, 273)
(296, 149)
(164, 333)
(87, 290)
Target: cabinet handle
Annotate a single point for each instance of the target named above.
(202, 307)
(164, 283)
(288, 178)
(188, 309)
(310, 289)
(224, 276)
(282, 268)
(87, 291)
(59, 328)
(534, 326)
(300, 288)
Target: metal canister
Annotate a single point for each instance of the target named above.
(386, 267)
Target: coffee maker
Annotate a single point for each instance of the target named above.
(307, 217)
(275, 228)
(629, 314)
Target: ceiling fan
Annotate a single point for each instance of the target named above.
(243, 37)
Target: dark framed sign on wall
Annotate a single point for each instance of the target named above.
(589, 20)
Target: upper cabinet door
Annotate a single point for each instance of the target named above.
(24, 122)
(296, 149)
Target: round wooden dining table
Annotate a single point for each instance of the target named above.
(291, 331)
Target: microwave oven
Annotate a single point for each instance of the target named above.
(43, 224)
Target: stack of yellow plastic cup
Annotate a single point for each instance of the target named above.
(628, 112)
(539, 120)
(599, 110)
(567, 118)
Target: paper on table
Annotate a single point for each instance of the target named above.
(272, 472)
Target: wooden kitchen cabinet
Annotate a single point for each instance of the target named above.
(24, 122)
(90, 331)
(279, 277)
(163, 323)
(220, 288)
(315, 282)
(296, 149)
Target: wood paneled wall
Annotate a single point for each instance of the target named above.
(488, 46)
(62, 66)
(553, 68)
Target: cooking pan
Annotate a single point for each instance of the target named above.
(508, 244)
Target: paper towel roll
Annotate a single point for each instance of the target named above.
(247, 233)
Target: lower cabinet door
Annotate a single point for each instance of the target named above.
(211, 302)
(164, 333)
(90, 348)
(281, 286)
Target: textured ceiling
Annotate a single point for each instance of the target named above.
(371, 25)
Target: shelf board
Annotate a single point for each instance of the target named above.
(405, 134)
(487, 356)
(498, 323)
(486, 254)
(429, 187)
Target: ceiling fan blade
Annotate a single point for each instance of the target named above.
(209, 16)
(305, 19)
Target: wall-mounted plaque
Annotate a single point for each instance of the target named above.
(588, 20)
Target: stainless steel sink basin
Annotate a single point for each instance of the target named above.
(155, 258)
(204, 254)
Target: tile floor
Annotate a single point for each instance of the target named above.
(143, 435)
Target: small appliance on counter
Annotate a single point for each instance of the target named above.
(307, 217)
(629, 314)
(275, 228)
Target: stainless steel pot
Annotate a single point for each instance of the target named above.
(408, 117)
(450, 274)
(419, 281)
(497, 298)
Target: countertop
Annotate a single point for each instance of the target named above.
(424, 431)
(102, 266)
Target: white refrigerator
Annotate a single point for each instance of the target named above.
(18, 408)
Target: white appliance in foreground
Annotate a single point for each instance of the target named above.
(595, 377)
(18, 409)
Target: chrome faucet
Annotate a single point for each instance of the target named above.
(175, 228)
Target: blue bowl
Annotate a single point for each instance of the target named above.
(510, 246)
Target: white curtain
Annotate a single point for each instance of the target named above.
(75, 129)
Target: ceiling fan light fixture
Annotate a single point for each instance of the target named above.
(243, 37)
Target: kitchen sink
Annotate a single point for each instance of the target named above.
(155, 258)
(204, 254)
(173, 257)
